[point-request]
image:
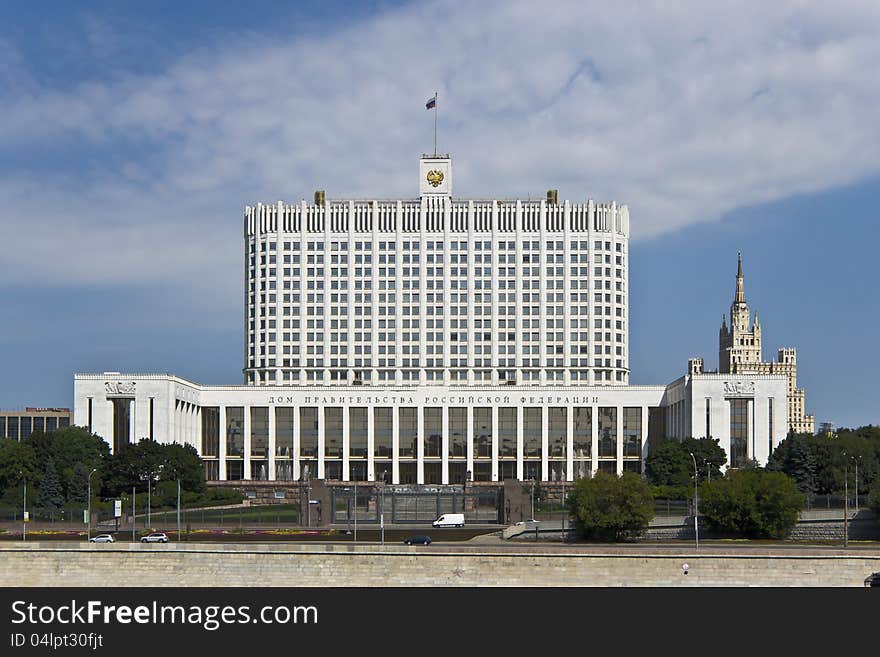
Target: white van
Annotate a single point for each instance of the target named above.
(449, 520)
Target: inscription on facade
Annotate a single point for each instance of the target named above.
(739, 387)
(438, 400)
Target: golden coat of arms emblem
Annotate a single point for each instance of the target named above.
(435, 177)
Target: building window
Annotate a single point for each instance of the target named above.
(259, 431)
(382, 433)
(234, 432)
(608, 433)
(284, 433)
(409, 435)
(557, 431)
(458, 433)
(770, 424)
(632, 432)
(739, 416)
(308, 434)
(357, 435)
(333, 435)
(121, 423)
(210, 431)
(507, 433)
(482, 438)
(433, 431)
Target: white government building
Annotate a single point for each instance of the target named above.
(434, 341)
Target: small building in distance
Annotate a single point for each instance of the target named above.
(21, 424)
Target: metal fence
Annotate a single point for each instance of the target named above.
(412, 506)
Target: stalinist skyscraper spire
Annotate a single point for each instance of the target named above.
(739, 352)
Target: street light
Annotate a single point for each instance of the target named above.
(856, 460)
(178, 509)
(133, 513)
(696, 504)
(24, 509)
(382, 514)
(89, 523)
(845, 501)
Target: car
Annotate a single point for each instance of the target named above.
(872, 580)
(418, 540)
(155, 537)
(102, 538)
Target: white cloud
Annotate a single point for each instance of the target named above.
(683, 111)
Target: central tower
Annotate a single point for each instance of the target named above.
(435, 175)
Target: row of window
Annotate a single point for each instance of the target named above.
(430, 245)
(22, 426)
(306, 422)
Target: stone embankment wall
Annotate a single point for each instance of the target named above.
(333, 565)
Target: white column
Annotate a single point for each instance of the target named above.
(222, 436)
(294, 456)
(247, 442)
(371, 444)
(444, 444)
(346, 444)
(594, 441)
(619, 426)
(420, 444)
(750, 428)
(545, 428)
(469, 427)
(569, 440)
(321, 442)
(495, 439)
(644, 436)
(395, 446)
(272, 441)
(519, 442)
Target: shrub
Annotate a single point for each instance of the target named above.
(753, 503)
(608, 508)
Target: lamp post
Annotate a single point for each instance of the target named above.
(178, 509)
(696, 504)
(133, 513)
(845, 501)
(24, 509)
(856, 460)
(355, 512)
(382, 505)
(533, 499)
(89, 523)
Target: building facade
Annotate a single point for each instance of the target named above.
(434, 341)
(436, 290)
(739, 352)
(21, 424)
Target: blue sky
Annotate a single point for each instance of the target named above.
(133, 135)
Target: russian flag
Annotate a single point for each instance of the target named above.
(431, 104)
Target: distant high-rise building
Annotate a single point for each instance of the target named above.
(739, 352)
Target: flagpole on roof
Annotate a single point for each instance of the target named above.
(435, 124)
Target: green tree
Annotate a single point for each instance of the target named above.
(78, 484)
(51, 494)
(608, 508)
(668, 464)
(67, 448)
(753, 503)
(149, 461)
(17, 462)
(710, 456)
(796, 457)
(182, 462)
